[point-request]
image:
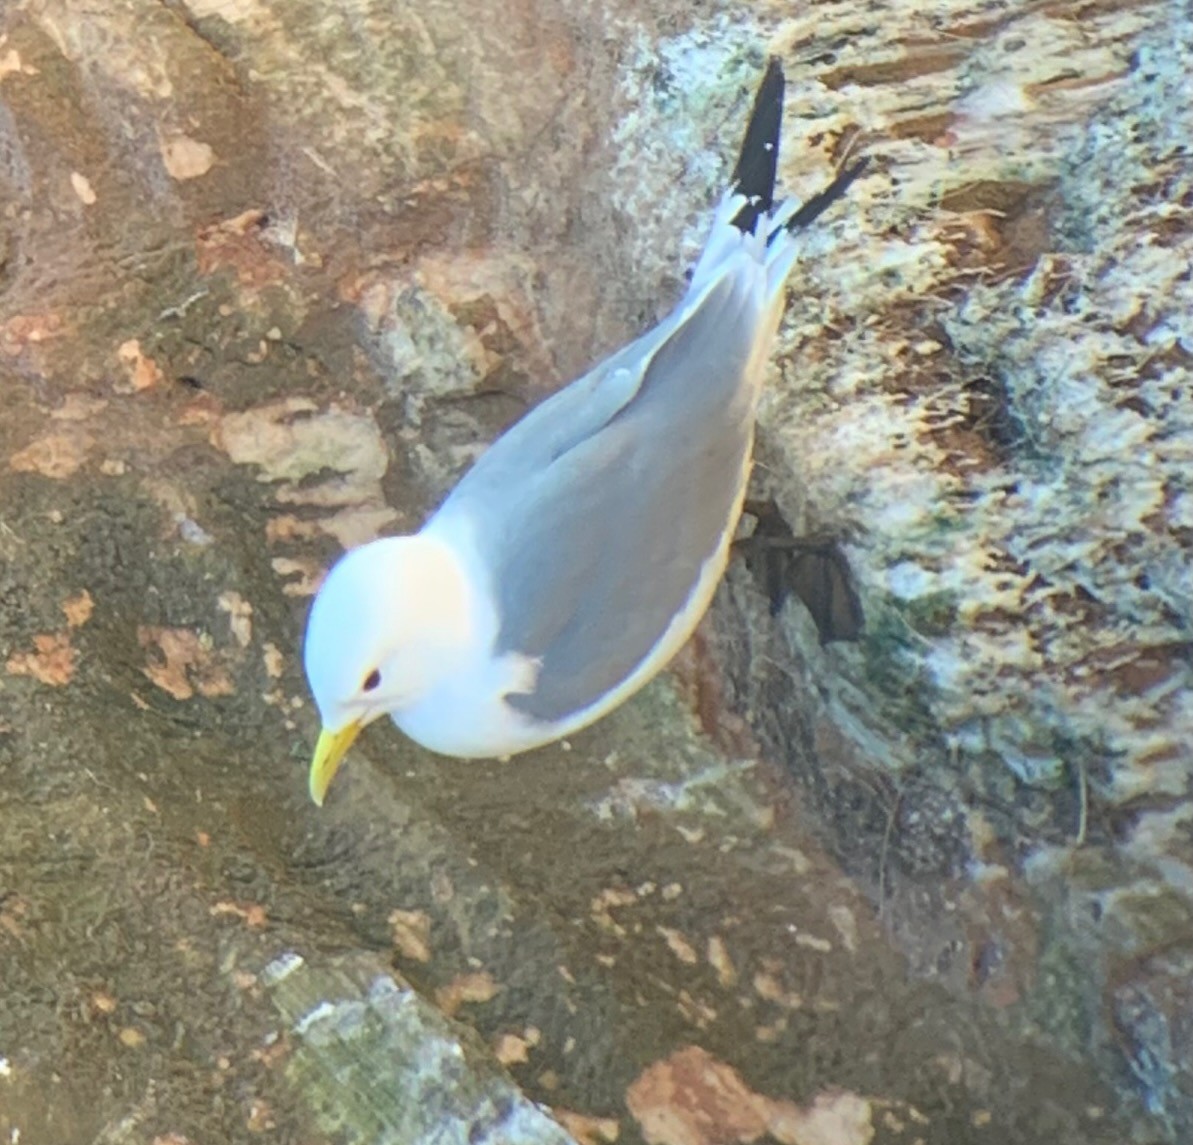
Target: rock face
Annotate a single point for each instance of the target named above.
(274, 273)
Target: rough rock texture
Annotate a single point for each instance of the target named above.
(349, 1017)
(1002, 433)
(274, 271)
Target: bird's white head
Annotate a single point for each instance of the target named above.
(382, 630)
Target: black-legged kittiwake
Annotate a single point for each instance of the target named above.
(577, 555)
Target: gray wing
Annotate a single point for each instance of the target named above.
(598, 510)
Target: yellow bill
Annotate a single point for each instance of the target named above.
(329, 754)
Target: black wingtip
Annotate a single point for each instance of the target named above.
(810, 211)
(757, 165)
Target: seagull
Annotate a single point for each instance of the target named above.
(577, 555)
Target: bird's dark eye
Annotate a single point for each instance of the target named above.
(371, 680)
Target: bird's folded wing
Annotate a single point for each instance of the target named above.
(597, 541)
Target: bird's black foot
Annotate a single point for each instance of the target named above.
(813, 568)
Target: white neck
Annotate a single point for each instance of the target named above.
(426, 595)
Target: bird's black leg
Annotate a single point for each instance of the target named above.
(813, 568)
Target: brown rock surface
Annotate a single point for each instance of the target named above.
(274, 272)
